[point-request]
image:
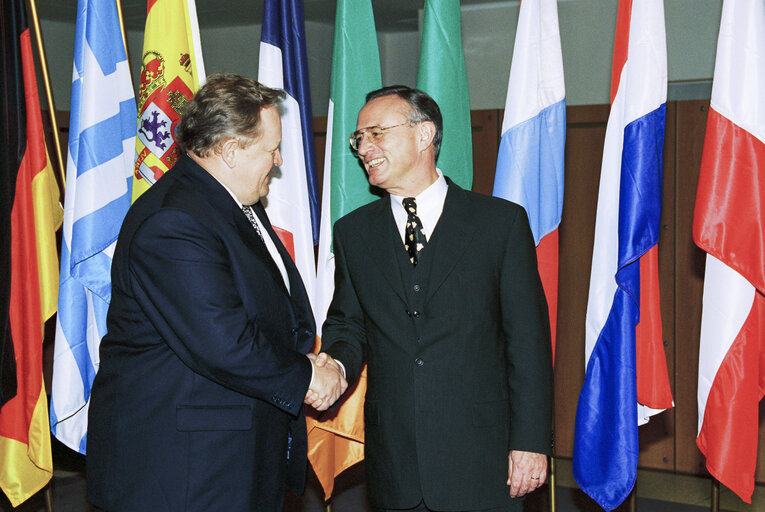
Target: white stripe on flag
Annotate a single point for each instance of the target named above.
(287, 201)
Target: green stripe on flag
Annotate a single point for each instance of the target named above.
(355, 72)
(442, 75)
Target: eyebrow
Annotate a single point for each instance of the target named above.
(368, 127)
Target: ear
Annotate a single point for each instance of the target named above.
(228, 151)
(426, 132)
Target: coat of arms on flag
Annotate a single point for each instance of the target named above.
(160, 105)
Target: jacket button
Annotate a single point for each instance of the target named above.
(408, 313)
(419, 362)
(415, 314)
(417, 288)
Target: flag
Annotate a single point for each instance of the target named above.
(531, 151)
(98, 178)
(729, 224)
(442, 75)
(337, 442)
(172, 70)
(31, 196)
(626, 378)
(292, 203)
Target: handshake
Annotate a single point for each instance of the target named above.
(327, 383)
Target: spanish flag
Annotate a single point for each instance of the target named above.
(172, 70)
(29, 262)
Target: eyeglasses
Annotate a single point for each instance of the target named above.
(373, 134)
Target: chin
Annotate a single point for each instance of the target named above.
(374, 179)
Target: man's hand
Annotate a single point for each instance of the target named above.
(327, 383)
(526, 472)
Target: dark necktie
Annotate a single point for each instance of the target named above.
(414, 238)
(251, 217)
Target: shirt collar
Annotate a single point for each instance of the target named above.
(433, 195)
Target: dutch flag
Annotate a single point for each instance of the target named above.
(623, 326)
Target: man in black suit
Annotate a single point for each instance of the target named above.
(437, 290)
(197, 404)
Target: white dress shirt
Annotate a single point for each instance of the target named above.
(430, 204)
(270, 245)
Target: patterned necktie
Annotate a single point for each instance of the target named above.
(414, 238)
(251, 217)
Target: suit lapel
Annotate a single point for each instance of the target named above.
(451, 237)
(297, 293)
(377, 234)
(220, 200)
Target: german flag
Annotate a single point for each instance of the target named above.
(31, 213)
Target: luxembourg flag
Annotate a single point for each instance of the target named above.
(292, 203)
(729, 224)
(626, 377)
(530, 161)
(99, 177)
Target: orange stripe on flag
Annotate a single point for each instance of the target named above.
(336, 437)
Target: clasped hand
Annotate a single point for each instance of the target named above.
(327, 383)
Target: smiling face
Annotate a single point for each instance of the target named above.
(249, 172)
(399, 160)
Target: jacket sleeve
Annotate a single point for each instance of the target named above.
(343, 333)
(526, 327)
(181, 274)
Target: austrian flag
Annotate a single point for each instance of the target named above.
(729, 224)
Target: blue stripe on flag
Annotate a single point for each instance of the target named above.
(530, 168)
(104, 42)
(96, 231)
(74, 325)
(606, 416)
(284, 28)
(85, 285)
(98, 144)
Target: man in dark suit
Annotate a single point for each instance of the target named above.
(437, 290)
(197, 404)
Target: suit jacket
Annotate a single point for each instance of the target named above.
(457, 348)
(197, 404)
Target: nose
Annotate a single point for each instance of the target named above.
(364, 145)
(278, 158)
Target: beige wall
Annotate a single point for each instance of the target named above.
(587, 28)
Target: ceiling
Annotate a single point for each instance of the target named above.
(390, 15)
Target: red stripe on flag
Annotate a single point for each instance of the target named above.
(728, 436)
(25, 314)
(729, 219)
(547, 262)
(621, 44)
(288, 240)
(653, 389)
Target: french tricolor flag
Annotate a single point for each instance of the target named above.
(530, 161)
(626, 377)
(729, 224)
(292, 203)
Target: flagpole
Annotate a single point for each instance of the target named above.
(552, 483)
(715, 505)
(124, 36)
(633, 499)
(48, 93)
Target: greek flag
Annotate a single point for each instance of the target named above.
(98, 188)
